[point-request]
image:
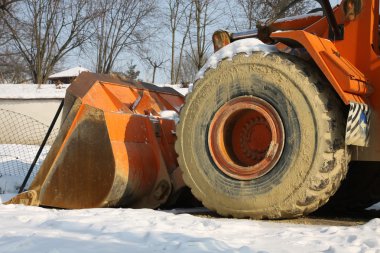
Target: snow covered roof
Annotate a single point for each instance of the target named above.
(73, 72)
(177, 87)
(31, 91)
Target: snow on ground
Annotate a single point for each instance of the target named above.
(15, 161)
(35, 229)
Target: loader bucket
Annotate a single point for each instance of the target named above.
(113, 148)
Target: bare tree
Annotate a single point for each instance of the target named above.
(121, 25)
(249, 12)
(253, 11)
(5, 8)
(185, 34)
(156, 64)
(189, 24)
(44, 31)
(186, 70)
(174, 18)
(155, 61)
(286, 8)
(12, 66)
(205, 14)
(179, 19)
(6, 4)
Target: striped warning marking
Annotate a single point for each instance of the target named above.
(358, 124)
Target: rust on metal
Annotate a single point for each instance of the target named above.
(220, 39)
(246, 138)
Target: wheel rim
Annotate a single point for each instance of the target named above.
(246, 138)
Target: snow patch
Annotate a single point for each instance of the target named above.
(246, 46)
(183, 91)
(6, 197)
(73, 72)
(50, 91)
(374, 207)
(15, 161)
(10, 184)
(170, 114)
(177, 87)
(31, 91)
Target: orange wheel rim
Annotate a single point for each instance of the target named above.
(246, 138)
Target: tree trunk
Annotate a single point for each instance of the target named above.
(154, 73)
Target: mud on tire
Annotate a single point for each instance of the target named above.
(313, 161)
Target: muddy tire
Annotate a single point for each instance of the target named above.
(309, 166)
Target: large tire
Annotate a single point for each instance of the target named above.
(313, 159)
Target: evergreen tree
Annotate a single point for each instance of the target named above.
(132, 72)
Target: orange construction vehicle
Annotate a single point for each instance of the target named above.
(268, 131)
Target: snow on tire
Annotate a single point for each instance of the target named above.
(312, 162)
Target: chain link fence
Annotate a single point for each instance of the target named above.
(20, 139)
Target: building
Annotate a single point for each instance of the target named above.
(67, 76)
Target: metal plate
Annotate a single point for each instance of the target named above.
(358, 125)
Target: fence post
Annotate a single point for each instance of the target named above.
(41, 147)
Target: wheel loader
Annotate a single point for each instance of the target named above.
(268, 131)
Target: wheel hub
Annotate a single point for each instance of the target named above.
(246, 138)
